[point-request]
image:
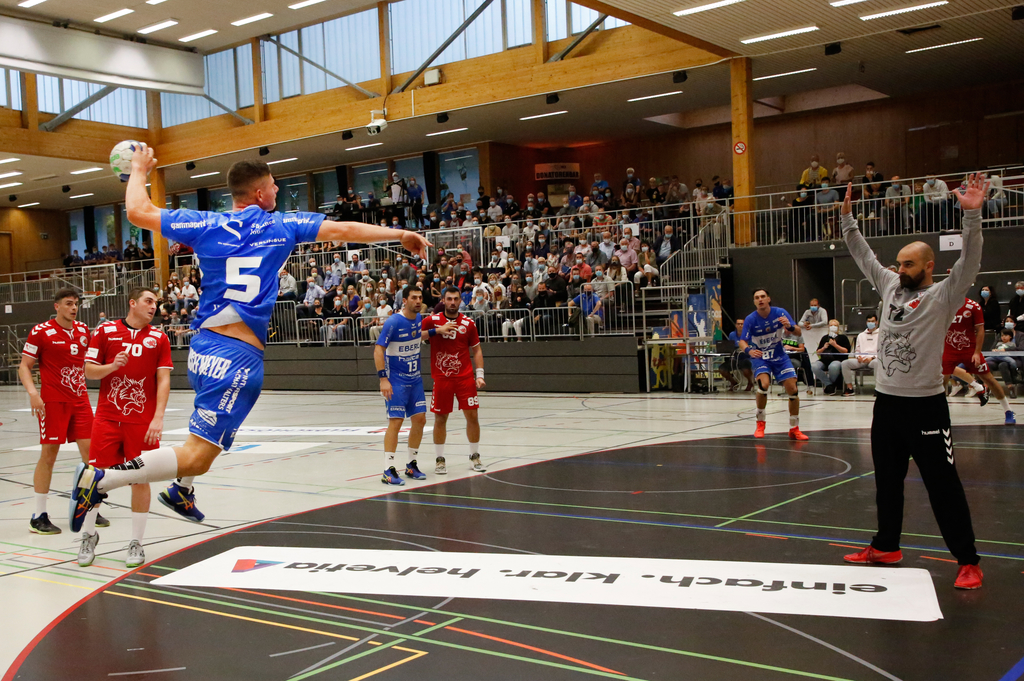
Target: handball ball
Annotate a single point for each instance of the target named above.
(121, 159)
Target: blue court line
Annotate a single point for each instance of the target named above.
(1016, 673)
(654, 523)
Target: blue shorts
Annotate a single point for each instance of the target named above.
(227, 376)
(778, 366)
(407, 399)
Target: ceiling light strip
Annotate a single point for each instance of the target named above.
(215, 172)
(782, 34)
(788, 73)
(83, 171)
(30, 3)
(904, 10)
(9, 160)
(365, 146)
(936, 47)
(81, 196)
(543, 115)
(704, 8)
(113, 15)
(249, 20)
(158, 27)
(283, 160)
(15, 173)
(305, 3)
(663, 94)
(28, 205)
(844, 3)
(197, 36)
(445, 132)
(9, 185)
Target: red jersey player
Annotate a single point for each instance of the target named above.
(133, 362)
(964, 341)
(453, 354)
(62, 406)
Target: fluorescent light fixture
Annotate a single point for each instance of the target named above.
(935, 47)
(4, 176)
(29, 205)
(283, 160)
(81, 196)
(304, 3)
(373, 172)
(457, 158)
(903, 10)
(83, 171)
(215, 172)
(158, 27)
(663, 94)
(365, 146)
(249, 20)
(113, 15)
(154, 2)
(844, 3)
(196, 36)
(543, 115)
(787, 73)
(445, 132)
(704, 8)
(783, 34)
(9, 185)
(31, 3)
(9, 160)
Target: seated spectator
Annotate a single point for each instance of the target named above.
(795, 347)
(596, 255)
(313, 294)
(935, 206)
(738, 361)
(188, 298)
(332, 287)
(827, 201)
(610, 203)
(1009, 367)
(541, 250)
(574, 283)
(494, 212)
(842, 175)
(866, 354)
(991, 310)
(996, 196)
(542, 204)
(631, 179)
(384, 311)
(574, 199)
(589, 306)
(873, 189)
(630, 199)
(814, 175)
(567, 258)
(627, 257)
(557, 286)
(600, 184)
(896, 209)
(1017, 302)
(615, 272)
(632, 241)
(647, 272)
(580, 265)
(667, 245)
(831, 352)
(170, 302)
(722, 191)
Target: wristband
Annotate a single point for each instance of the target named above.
(480, 374)
(383, 373)
(431, 332)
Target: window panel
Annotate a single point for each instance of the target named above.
(519, 22)
(243, 57)
(271, 74)
(220, 78)
(558, 26)
(48, 93)
(483, 36)
(291, 75)
(352, 47)
(460, 174)
(417, 29)
(370, 178)
(325, 189)
(292, 194)
(76, 223)
(314, 79)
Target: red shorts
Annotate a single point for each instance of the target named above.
(65, 422)
(950, 360)
(445, 390)
(114, 442)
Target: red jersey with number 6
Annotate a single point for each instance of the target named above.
(449, 353)
(60, 353)
(128, 395)
(961, 337)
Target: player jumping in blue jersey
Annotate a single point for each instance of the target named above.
(397, 358)
(762, 340)
(241, 253)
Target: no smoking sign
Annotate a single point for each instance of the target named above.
(740, 148)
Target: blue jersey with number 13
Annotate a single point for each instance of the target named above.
(240, 255)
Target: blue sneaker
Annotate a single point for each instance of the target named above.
(390, 477)
(182, 501)
(84, 494)
(1011, 419)
(413, 471)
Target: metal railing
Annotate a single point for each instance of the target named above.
(42, 285)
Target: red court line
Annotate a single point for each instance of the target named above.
(536, 650)
(362, 478)
(769, 536)
(944, 560)
(845, 546)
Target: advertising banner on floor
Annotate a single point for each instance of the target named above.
(905, 594)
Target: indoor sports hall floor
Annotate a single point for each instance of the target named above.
(665, 477)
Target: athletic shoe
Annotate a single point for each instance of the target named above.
(968, 577)
(759, 431)
(390, 477)
(830, 390)
(84, 495)
(182, 501)
(955, 388)
(972, 391)
(42, 524)
(101, 521)
(477, 466)
(983, 397)
(1011, 419)
(439, 467)
(795, 434)
(413, 471)
(136, 556)
(872, 555)
(87, 551)
(848, 392)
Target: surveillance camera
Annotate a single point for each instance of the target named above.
(377, 122)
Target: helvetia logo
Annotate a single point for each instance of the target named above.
(248, 565)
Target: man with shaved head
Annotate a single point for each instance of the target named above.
(911, 416)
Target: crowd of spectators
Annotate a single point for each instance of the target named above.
(133, 257)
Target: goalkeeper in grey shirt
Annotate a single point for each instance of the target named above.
(911, 416)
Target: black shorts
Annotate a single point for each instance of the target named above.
(740, 361)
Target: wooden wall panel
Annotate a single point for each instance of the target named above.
(30, 252)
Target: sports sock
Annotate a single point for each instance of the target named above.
(760, 415)
(439, 451)
(153, 466)
(40, 504)
(89, 525)
(413, 454)
(186, 482)
(139, 525)
(474, 448)
(1004, 403)
(389, 459)
(794, 421)
(978, 386)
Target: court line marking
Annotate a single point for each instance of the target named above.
(531, 648)
(390, 666)
(148, 671)
(802, 496)
(1016, 672)
(302, 650)
(439, 626)
(319, 667)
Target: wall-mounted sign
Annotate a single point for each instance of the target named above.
(556, 171)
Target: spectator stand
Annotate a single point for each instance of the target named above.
(468, 240)
(41, 285)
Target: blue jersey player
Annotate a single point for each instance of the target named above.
(240, 253)
(763, 330)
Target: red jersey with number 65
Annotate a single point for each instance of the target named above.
(961, 337)
(60, 353)
(449, 353)
(128, 395)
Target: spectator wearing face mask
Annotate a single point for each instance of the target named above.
(542, 250)
(815, 325)
(896, 209)
(607, 245)
(629, 234)
(494, 212)
(557, 285)
(667, 244)
(595, 256)
(801, 219)
(872, 190)
(647, 267)
(1017, 302)
(827, 202)
(990, 309)
(531, 286)
(575, 200)
(287, 289)
(314, 293)
(815, 174)
(865, 355)
(630, 198)
(1010, 368)
(590, 308)
(935, 206)
(580, 265)
(415, 198)
(832, 350)
(842, 175)
(627, 257)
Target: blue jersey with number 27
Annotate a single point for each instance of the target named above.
(240, 255)
(766, 334)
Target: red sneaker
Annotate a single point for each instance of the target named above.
(968, 577)
(759, 431)
(872, 555)
(795, 434)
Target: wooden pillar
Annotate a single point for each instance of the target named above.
(257, 80)
(157, 187)
(540, 31)
(484, 161)
(742, 149)
(384, 30)
(29, 102)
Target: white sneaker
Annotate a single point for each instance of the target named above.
(956, 388)
(439, 467)
(477, 466)
(87, 551)
(136, 556)
(972, 391)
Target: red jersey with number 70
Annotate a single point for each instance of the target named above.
(60, 353)
(961, 337)
(449, 353)
(128, 395)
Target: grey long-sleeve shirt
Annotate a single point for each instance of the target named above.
(913, 324)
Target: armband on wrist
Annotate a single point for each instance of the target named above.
(383, 373)
(480, 374)
(431, 332)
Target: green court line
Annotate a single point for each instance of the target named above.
(66, 553)
(346, 660)
(57, 574)
(802, 496)
(439, 626)
(494, 653)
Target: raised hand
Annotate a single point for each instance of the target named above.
(977, 190)
(414, 243)
(848, 201)
(143, 158)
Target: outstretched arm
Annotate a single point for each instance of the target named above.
(141, 211)
(966, 268)
(360, 233)
(858, 245)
